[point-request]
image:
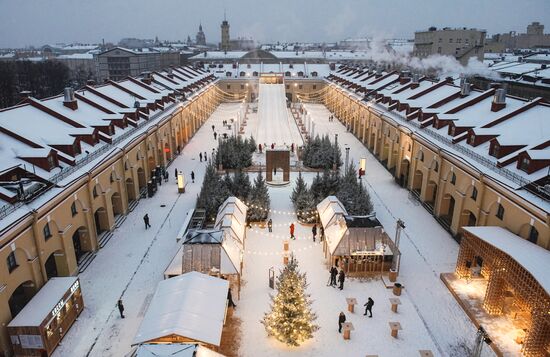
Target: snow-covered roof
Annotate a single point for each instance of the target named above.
(534, 259)
(331, 213)
(42, 304)
(192, 305)
(231, 218)
(175, 350)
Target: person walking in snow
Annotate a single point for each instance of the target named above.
(341, 320)
(368, 308)
(322, 234)
(120, 308)
(213, 127)
(205, 157)
(292, 231)
(146, 221)
(215, 135)
(270, 225)
(341, 279)
(200, 156)
(333, 274)
(193, 176)
(176, 173)
(314, 232)
(260, 148)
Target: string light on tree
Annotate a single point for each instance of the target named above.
(291, 319)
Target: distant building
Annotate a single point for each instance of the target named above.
(136, 43)
(119, 63)
(354, 43)
(225, 44)
(534, 38)
(460, 43)
(242, 44)
(200, 39)
(80, 64)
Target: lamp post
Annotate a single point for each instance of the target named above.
(481, 337)
(335, 157)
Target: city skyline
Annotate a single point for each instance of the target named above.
(34, 23)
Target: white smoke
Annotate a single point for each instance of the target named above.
(380, 53)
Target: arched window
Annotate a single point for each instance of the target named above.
(74, 211)
(112, 178)
(533, 235)
(11, 261)
(94, 192)
(138, 156)
(409, 148)
(453, 178)
(421, 156)
(287, 74)
(242, 74)
(500, 212)
(47, 232)
(436, 166)
(474, 194)
(126, 165)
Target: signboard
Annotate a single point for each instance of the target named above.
(57, 308)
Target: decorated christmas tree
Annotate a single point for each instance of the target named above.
(291, 319)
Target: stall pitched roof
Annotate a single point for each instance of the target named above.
(192, 305)
(43, 302)
(534, 259)
(175, 350)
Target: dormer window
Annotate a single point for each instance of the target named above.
(496, 149)
(524, 165)
(51, 162)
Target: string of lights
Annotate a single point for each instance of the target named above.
(292, 213)
(281, 252)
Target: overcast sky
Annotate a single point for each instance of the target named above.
(37, 22)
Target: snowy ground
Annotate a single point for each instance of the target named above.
(133, 261)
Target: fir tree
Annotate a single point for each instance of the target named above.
(291, 319)
(241, 185)
(259, 200)
(213, 192)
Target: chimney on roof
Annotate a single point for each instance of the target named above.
(405, 77)
(415, 80)
(465, 87)
(25, 94)
(147, 79)
(499, 100)
(68, 98)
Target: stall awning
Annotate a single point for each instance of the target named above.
(330, 209)
(192, 306)
(231, 218)
(534, 259)
(44, 302)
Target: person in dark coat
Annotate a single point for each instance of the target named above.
(230, 302)
(341, 320)
(200, 156)
(120, 308)
(176, 172)
(314, 232)
(213, 127)
(146, 221)
(322, 234)
(193, 176)
(333, 274)
(260, 148)
(215, 135)
(270, 225)
(368, 307)
(341, 279)
(205, 157)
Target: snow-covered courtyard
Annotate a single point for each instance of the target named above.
(133, 262)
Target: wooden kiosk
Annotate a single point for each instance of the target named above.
(41, 325)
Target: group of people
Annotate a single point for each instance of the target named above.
(334, 274)
(321, 233)
(205, 157)
(331, 117)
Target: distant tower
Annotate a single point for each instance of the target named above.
(225, 34)
(201, 38)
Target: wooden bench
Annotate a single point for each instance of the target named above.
(394, 302)
(395, 327)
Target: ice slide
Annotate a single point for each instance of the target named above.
(274, 122)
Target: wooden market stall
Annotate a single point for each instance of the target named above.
(41, 325)
(190, 308)
(357, 244)
(518, 281)
(174, 350)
